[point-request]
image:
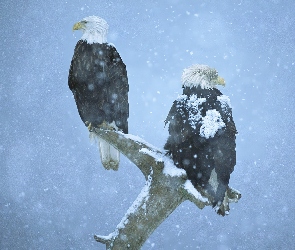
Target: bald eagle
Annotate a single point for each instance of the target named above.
(202, 132)
(98, 80)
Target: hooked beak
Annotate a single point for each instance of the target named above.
(220, 81)
(78, 26)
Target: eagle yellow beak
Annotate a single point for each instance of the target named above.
(220, 81)
(78, 26)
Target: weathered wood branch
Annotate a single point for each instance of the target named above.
(165, 189)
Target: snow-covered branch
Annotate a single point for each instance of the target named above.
(165, 189)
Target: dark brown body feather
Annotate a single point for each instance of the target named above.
(98, 80)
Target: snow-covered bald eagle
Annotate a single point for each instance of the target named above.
(98, 80)
(202, 132)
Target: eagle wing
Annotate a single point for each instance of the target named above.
(117, 92)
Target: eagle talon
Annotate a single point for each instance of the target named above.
(89, 126)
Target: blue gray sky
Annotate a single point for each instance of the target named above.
(54, 192)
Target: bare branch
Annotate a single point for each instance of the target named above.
(165, 189)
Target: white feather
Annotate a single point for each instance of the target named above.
(213, 181)
(199, 75)
(95, 30)
(110, 157)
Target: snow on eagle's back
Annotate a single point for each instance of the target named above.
(193, 105)
(211, 123)
(194, 109)
(224, 100)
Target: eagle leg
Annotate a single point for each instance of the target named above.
(104, 125)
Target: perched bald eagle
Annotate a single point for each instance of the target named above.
(202, 132)
(98, 80)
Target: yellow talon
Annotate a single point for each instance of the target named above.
(89, 125)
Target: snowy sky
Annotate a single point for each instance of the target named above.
(54, 192)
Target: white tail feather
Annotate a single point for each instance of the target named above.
(110, 156)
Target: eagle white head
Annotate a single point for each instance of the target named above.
(201, 75)
(94, 29)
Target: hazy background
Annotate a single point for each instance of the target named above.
(54, 192)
